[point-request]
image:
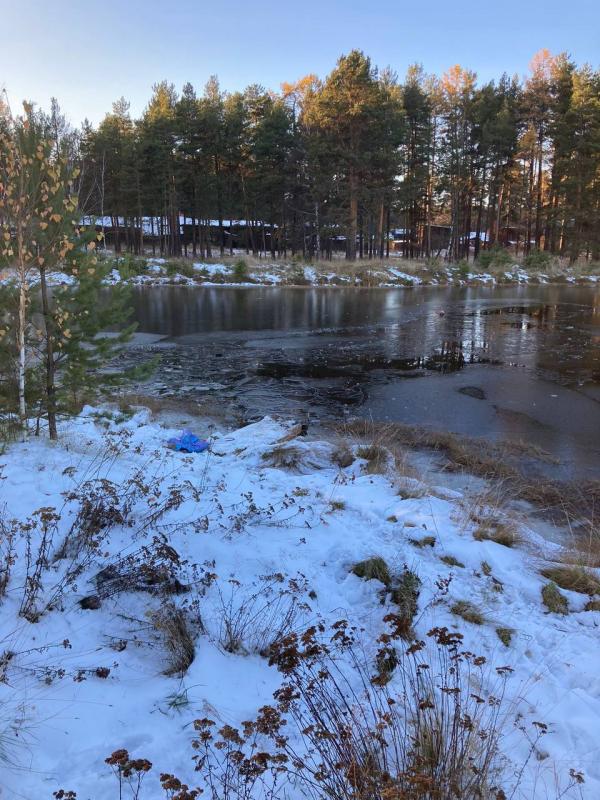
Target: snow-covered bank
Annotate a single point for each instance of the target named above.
(262, 508)
(378, 274)
(388, 274)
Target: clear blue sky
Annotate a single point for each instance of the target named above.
(88, 54)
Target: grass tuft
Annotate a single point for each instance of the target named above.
(376, 456)
(283, 458)
(451, 561)
(573, 578)
(177, 638)
(386, 662)
(505, 635)
(503, 533)
(405, 594)
(373, 568)
(343, 456)
(468, 612)
(425, 541)
(554, 600)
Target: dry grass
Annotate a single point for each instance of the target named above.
(206, 407)
(343, 456)
(412, 489)
(582, 553)
(476, 456)
(405, 594)
(304, 457)
(592, 605)
(251, 618)
(403, 466)
(368, 271)
(177, 638)
(467, 611)
(451, 561)
(505, 635)
(425, 541)
(284, 457)
(583, 547)
(554, 600)
(376, 456)
(374, 568)
(575, 504)
(377, 448)
(504, 533)
(573, 578)
(519, 448)
(487, 505)
(565, 502)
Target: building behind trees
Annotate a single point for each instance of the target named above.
(334, 166)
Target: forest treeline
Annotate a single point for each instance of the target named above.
(347, 159)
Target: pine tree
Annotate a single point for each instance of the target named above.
(583, 172)
(91, 328)
(458, 87)
(158, 133)
(416, 157)
(356, 117)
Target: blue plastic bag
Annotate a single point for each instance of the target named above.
(188, 442)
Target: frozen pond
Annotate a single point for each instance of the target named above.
(517, 362)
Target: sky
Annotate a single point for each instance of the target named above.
(87, 55)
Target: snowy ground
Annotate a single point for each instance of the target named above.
(228, 513)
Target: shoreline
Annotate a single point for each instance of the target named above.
(196, 274)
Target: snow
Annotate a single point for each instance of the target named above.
(211, 269)
(516, 273)
(482, 236)
(55, 278)
(404, 276)
(310, 274)
(247, 519)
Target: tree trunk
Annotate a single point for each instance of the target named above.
(50, 384)
(538, 205)
(21, 348)
(480, 216)
(380, 219)
(317, 231)
(141, 218)
(353, 220)
(208, 242)
(387, 236)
